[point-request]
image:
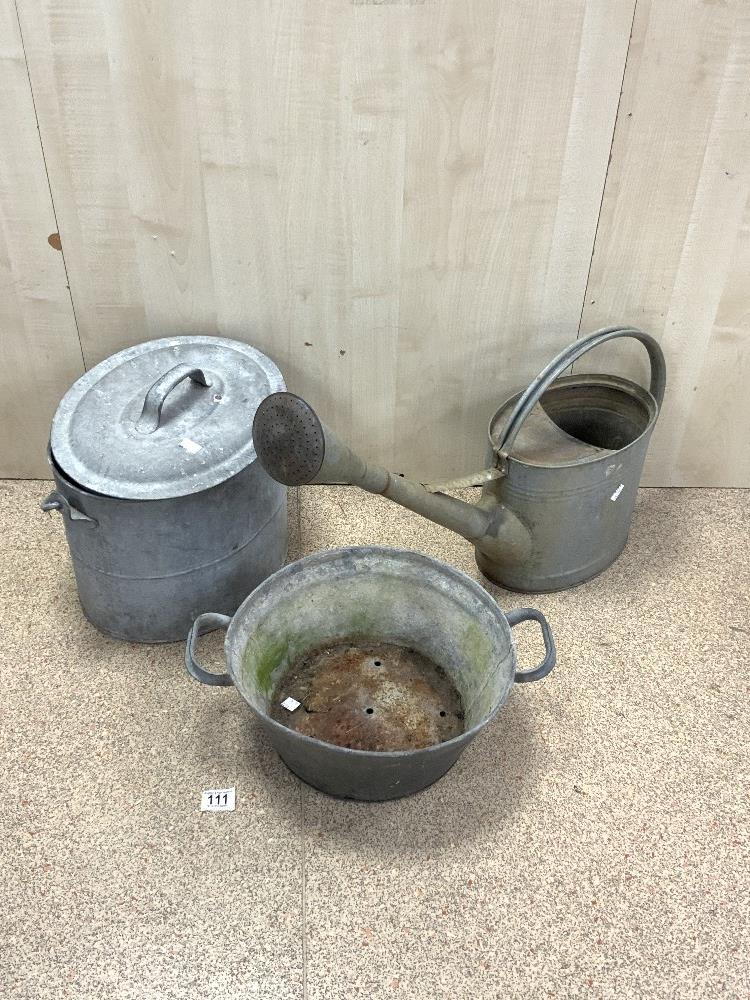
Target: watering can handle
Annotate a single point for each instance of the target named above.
(557, 366)
(208, 622)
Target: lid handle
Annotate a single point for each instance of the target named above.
(157, 394)
(557, 366)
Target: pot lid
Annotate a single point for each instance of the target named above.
(163, 419)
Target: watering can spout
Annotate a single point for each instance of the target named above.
(297, 449)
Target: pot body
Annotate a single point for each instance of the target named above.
(145, 569)
(364, 593)
(573, 484)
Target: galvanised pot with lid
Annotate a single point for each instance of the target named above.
(167, 511)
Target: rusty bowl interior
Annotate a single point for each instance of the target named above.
(365, 595)
(363, 695)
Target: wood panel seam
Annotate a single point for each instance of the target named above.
(49, 183)
(606, 173)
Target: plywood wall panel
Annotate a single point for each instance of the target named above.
(509, 144)
(39, 351)
(66, 51)
(396, 201)
(671, 252)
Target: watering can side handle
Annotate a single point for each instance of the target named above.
(208, 622)
(531, 396)
(550, 657)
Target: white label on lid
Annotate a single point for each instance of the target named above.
(618, 491)
(190, 446)
(290, 704)
(217, 800)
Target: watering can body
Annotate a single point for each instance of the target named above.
(577, 512)
(564, 461)
(570, 450)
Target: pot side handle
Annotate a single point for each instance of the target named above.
(550, 658)
(56, 501)
(207, 622)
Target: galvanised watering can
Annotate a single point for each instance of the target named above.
(564, 462)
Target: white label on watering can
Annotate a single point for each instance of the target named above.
(217, 800)
(618, 491)
(189, 446)
(290, 704)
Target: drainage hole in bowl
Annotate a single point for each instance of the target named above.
(341, 683)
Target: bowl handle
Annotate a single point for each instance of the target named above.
(208, 622)
(550, 658)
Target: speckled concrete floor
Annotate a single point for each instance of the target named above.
(591, 843)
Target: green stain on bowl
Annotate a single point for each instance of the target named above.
(478, 660)
(263, 656)
(477, 647)
(294, 631)
(358, 624)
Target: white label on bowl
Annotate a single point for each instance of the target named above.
(217, 800)
(290, 704)
(618, 491)
(189, 446)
